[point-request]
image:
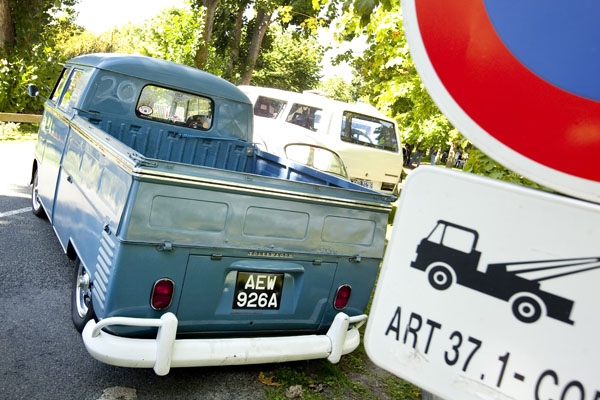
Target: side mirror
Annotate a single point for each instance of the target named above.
(32, 90)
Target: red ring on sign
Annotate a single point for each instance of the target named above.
(526, 113)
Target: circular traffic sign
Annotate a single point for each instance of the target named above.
(519, 79)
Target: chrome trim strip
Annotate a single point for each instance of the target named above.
(262, 190)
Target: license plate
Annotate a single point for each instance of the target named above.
(257, 291)
(364, 183)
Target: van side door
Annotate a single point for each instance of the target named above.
(59, 111)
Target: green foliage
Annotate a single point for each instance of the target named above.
(127, 39)
(338, 89)
(290, 62)
(32, 57)
(15, 131)
(174, 35)
(389, 77)
(480, 164)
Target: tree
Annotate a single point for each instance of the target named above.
(7, 36)
(390, 80)
(173, 35)
(28, 48)
(242, 30)
(289, 62)
(210, 7)
(337, 89)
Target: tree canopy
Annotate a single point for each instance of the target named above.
(28, 48)
(390, 80)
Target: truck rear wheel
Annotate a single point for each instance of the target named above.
(526, 308)
(440, 277)
(82, 309)
(36, 204)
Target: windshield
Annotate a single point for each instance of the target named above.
(369, 131)
(316, 157)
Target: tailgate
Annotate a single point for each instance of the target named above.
(241, 294)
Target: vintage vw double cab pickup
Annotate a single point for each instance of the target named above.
(194, 247)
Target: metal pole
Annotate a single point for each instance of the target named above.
(428, 396)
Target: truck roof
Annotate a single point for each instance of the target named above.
(162, 71)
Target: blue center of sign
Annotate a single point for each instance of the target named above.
(557, 40)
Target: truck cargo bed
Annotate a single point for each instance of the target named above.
(153, 141)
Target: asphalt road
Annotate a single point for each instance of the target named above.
(42, 355)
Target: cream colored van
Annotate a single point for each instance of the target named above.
(365, 138)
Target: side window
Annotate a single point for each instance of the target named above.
(60, 84)
(268, 107)
(369, 131)
(175, 108)
(77, 83)
(305, 116)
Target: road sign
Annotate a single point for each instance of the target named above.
(519, 79)
(489, 291)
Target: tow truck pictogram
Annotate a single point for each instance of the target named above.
(448, 255)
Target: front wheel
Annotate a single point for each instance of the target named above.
(82, 309)
(36, 204)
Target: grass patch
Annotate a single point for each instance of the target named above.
(11, 131)
(354, 377)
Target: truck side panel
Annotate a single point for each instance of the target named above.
(90, 198)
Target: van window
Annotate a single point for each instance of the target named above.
(305, 116)
(77, 84)
(369, 131)
(175, 108)
(268, 107)
(60, 84)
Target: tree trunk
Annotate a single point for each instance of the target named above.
(237, 38)
(263, 20)
(7, 36)
(209, 21)
(451, 155)
(438, 156)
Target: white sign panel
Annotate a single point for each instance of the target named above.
(489, 291)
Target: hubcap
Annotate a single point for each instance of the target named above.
(83, 293)
(35, 197)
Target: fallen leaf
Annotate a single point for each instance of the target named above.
(267, 381)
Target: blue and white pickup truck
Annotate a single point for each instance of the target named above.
(194, 247)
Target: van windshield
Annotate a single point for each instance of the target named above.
(369, 131)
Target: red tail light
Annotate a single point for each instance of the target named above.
(342, 296)
(162, 294)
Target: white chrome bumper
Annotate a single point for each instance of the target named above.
(165, 351)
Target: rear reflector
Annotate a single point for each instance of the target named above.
(342, 296)
(162, 294)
